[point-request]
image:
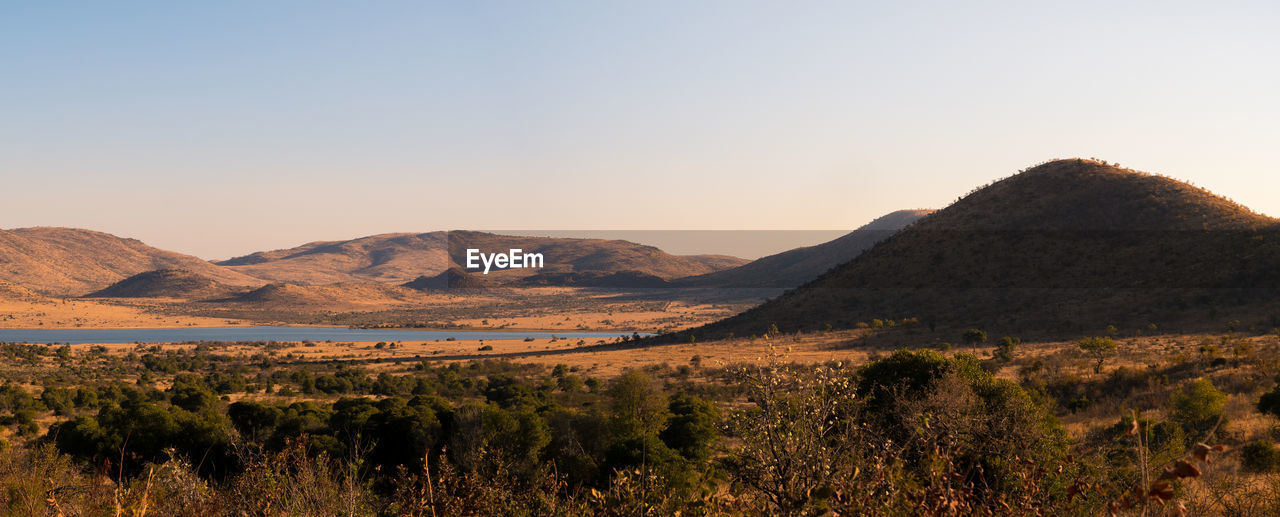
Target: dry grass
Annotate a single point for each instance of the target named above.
(543, 308)
(73, 313)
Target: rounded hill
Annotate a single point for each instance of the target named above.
(165, 283)
(452, 278)
(1067, 245)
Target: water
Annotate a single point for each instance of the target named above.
(268, 333)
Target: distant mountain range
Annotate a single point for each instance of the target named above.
(1070, 245)
(74, 262)
(400, 257)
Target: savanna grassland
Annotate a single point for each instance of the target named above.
(841, 421)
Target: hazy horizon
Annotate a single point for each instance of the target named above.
(745, 244)
(223, 129)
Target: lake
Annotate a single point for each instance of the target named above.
(269, 333)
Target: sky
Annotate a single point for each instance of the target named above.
(222, 128)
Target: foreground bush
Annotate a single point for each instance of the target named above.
(915, 433)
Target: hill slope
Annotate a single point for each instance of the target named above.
(168, 283)
(1066, 246)
(794, 267)
(453, 278)
(69, 261)
(400, 257)
(326, 297)
(389, 258)
(14, 292)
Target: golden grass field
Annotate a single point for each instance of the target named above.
(73, 313)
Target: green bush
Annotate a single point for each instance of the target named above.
(691, 430)
(1198, 407)
(1005, 348)
(929, 400)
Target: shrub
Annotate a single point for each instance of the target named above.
(1005, 348)
(929, 403)
(795, 443)
(1270, 402)
(1198, 407)
(918, 433)
(1259, 456)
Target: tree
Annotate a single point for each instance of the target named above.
(570, 383)
(58, 399)
(1099, 348)
(638, 412)
(691, 431)
(403, 431)
(975, 337)
(638, 407)
(193, 398)
(140, 432)
(254, 420)
(508, 392)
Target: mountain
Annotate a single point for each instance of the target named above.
(401, 257)
(1066, 246)
(386, 258)
(326, 297)
(452, 278)
(69, 261)
(166, 283)
(794, 267)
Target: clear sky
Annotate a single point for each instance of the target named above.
(224, 127)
